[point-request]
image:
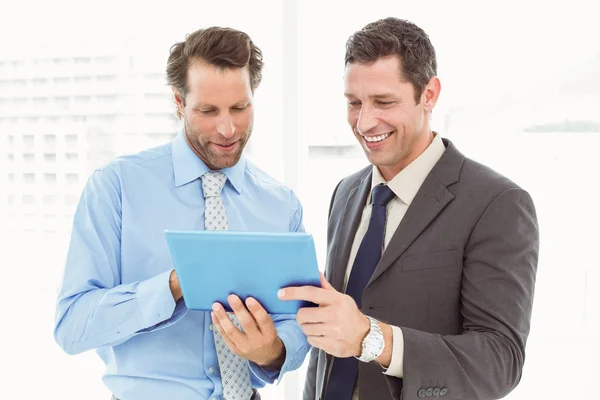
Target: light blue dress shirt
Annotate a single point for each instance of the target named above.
(115, 294)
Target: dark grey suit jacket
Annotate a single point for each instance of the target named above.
(457, 277)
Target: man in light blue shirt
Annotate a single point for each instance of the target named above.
(120, 294)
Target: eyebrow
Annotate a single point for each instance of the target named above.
(208, 105)
(374, 96)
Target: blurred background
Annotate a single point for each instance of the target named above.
(82, 82)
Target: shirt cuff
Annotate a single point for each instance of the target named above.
(155, 300)
(296, 348)
(396, 367)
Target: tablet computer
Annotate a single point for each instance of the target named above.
(211, 265)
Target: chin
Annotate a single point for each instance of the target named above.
(226, 162)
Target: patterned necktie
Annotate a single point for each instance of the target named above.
(235, 375)
(345, 370)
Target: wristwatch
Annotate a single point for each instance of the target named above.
(373, 343)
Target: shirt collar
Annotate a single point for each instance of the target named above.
(407, 182)
(187, 166)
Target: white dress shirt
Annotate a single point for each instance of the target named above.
(405, 186)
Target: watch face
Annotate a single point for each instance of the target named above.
(375, 345)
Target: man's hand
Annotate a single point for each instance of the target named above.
(337, 326)
(259, 341)
(174, 286)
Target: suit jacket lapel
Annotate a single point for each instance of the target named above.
(431, 199)
(349, 221)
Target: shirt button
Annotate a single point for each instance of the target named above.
(211, 370)
(211, 327)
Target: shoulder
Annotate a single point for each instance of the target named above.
(268, 185)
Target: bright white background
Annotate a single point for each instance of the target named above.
(82, 82)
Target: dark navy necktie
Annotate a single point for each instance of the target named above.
(345, 370)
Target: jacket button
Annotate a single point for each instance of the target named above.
(429, 392)
(422, 393)
(436, 392)
(443, 392)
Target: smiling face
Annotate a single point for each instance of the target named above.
(217, 113)
(392, 128)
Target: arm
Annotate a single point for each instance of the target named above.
(310, 384)
(295, 349)
(94, 309)
(486, 360)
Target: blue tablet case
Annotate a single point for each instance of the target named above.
(211, 265)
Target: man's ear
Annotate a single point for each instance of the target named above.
(179, 101)
(431, 93)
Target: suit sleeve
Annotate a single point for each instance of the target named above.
(310, 384)
(486, 360)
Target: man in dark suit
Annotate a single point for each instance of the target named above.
(431, 257)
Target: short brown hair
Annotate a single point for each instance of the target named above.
(221, 47)
(393, 36)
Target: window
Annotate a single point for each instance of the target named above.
(19, 83)
(76, 118)
(83, 60)
(28, 199)
(31, 119)
(49, 199)
(71, 200)
(29, 178)
(29, 158)
(50, 140)
(71, 157)
(106, 78)
(72, 179)
(61, 81)
(50, 179)
(83, 79)
(39, 101)
(71, 140)
(105, 59)
(62, 103)
(83, 100)
(108, 99)
(49, 157)
(28, 141)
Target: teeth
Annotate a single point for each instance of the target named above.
(377, 138)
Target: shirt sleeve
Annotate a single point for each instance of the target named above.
(296, 348)
(396, 367)
(296, 214)
(93, 308)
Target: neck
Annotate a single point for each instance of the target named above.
(389, 172)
